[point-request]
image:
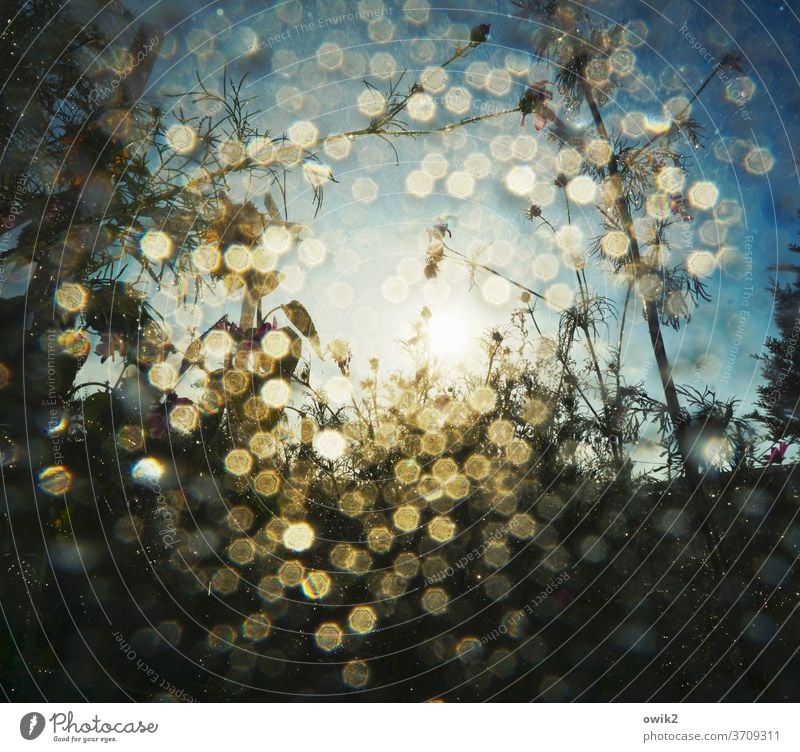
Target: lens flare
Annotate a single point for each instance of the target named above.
(147, 470)
(299, 536)
(316, 585)
(362, 619)
(55, 480)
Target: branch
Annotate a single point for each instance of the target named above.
(463, 258)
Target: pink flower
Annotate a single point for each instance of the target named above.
(266, 327)
(776, 453)
(533, 102)
(229, 327)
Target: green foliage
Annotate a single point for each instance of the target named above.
(779, 397)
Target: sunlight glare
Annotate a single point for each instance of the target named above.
(451, 335)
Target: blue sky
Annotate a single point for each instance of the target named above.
(374, 226)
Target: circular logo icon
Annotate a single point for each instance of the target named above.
(31, 725)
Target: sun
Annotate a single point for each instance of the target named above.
(454, 338)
